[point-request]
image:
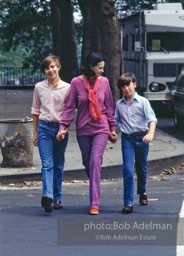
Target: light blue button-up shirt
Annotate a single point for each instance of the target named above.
(134, 116)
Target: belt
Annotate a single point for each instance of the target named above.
(135, 134)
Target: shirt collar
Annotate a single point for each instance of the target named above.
(135, 98)
(57, 85)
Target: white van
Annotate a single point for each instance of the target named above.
(153, 48)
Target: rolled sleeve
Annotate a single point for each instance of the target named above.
(110, 109)
(35, 109)
(150, 114)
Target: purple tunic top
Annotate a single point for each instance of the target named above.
(78, 98)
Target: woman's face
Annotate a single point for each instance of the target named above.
(99, 68)
(52, 71)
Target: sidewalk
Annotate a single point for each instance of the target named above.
(165, 151)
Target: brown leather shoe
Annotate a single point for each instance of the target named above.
(58, 205)
(143, 199)
(127, 209)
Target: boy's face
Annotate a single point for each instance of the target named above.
(52, 71)
(129, 90)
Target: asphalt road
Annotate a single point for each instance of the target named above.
(26, 230)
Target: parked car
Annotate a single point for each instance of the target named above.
(177, 96)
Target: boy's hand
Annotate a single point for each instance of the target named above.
(35, 142)
(148, 138)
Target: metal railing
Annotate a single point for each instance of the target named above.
(19, 76)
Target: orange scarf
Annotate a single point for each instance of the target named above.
(94, 107)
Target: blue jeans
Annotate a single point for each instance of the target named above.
(52, 154)
(134, 153)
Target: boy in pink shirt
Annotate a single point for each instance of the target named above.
(47, 108)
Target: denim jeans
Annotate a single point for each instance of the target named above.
(52, 154)
(134, 154)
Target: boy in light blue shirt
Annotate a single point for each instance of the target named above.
(137, 122)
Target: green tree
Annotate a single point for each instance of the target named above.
(13, 58)
(27, 24)
(42, 27)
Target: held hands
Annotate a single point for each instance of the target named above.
(61, 134)
(113, 137)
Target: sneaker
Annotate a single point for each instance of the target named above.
(94, 211)
(57, 205)
(46, 203)
(127, 209)
(143, 199)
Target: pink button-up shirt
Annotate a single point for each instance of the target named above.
(48, 101)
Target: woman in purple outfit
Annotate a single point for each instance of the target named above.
(90, 93)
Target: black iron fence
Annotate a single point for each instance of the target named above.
(18, 76)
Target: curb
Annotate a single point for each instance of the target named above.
(108, 172)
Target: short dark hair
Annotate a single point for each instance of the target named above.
(48, 60)
(125, 79)
(91, 60)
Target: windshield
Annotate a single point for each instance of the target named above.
(165, 41)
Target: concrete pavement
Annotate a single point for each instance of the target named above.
(165, 151)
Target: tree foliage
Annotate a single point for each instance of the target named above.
(27, 24)
(42, 27)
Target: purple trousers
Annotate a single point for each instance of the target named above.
(92, 150)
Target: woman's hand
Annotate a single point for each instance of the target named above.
(61, 134)
(113, 136)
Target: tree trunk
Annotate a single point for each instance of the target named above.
(101, 34)
(111, 44)
(16, 143)
(64, 37)
(91, 12)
